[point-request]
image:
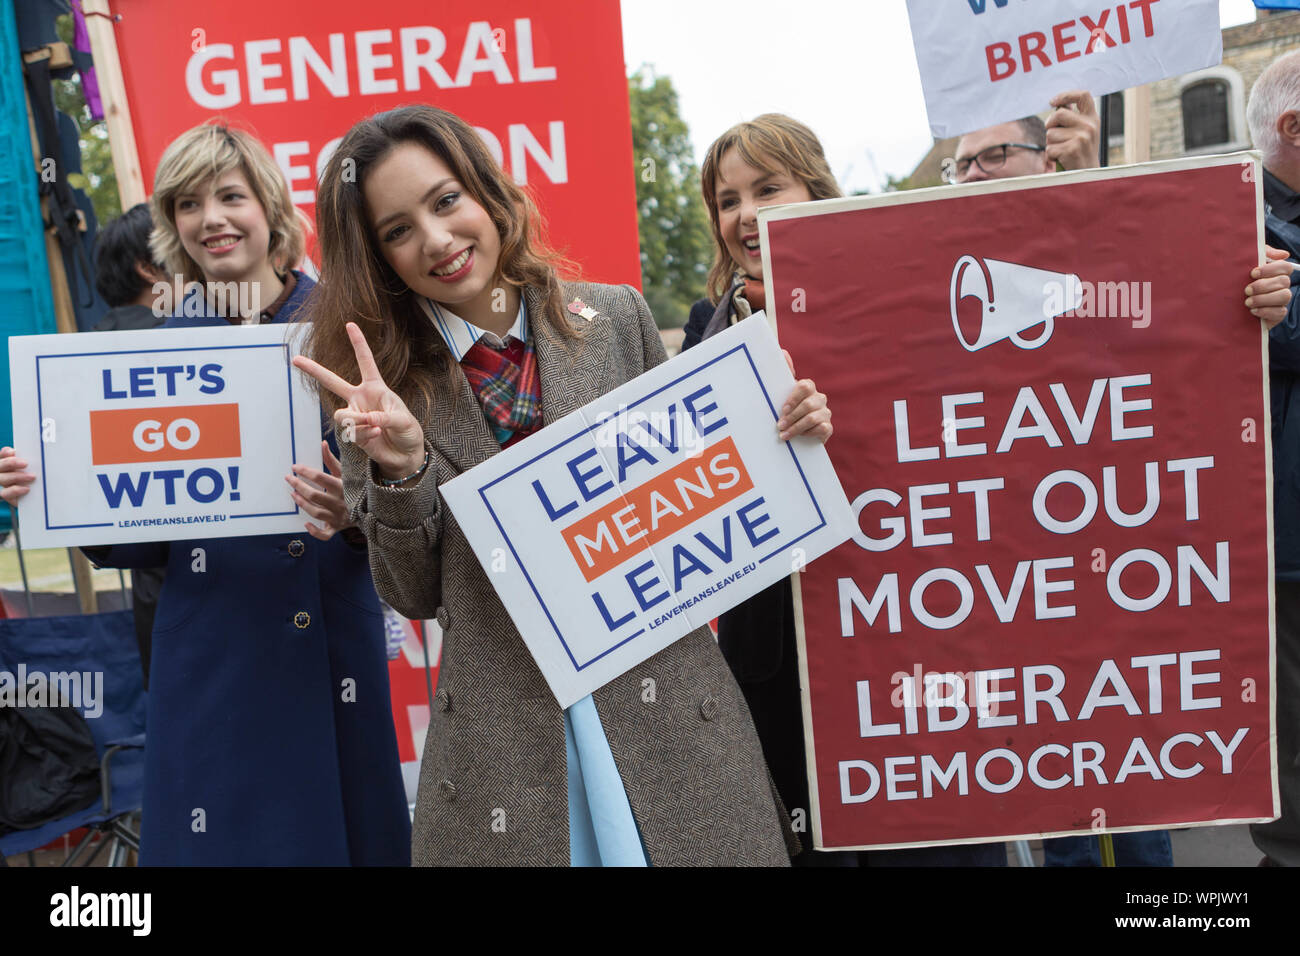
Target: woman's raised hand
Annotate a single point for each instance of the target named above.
(375, 418)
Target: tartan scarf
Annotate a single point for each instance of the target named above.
(508, 389)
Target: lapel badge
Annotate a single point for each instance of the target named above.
(578, 307)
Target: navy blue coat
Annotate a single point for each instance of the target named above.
(1284, 388)
(254, 755)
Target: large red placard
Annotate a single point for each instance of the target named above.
(1052, 416)
(544, 84)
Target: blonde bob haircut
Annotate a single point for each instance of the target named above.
(772, 143)
(214, 149)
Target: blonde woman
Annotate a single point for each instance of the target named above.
(256, 755)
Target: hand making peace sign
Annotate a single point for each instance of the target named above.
(375, 418)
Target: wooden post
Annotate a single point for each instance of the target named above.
(83, 582)
(1137, 124)
(66, 321)
(117, 111)
(65, 318)
(1103, 154)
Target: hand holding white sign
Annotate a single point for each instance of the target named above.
(374, 416)
(805, 411)
(1073, 130)
(320, 494)
(143, 437)
(644, 514)
(15, 479)
(1269, 294)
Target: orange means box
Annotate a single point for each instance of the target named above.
(657, 509)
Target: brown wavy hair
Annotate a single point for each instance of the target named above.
(773, 143)
(204, 152)
(358, 285)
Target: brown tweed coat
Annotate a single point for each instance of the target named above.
(493, 785)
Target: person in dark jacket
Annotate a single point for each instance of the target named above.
(270, 730)
(1274, 117)
(125, 276)
(126, 273)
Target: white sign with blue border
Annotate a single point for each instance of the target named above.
(627, 524)
(160, 435)
(992, 61)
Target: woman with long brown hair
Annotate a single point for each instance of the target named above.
(441, 302)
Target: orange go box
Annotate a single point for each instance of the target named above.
(121, 436)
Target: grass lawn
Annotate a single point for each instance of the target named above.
(48, 570)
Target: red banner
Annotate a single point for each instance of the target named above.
(1052, 416)
(411, 685)
(544, 84)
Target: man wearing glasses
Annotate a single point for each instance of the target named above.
(1029, 146)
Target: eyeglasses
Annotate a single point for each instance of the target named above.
(990, 160)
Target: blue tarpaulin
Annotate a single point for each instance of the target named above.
(26, 304)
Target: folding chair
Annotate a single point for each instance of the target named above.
(95, 643)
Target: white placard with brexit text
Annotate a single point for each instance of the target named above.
(992, 61)
(641, 516)
(159, 435)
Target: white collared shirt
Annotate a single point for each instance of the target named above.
(460, 335)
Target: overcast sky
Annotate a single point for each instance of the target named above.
(844, 67)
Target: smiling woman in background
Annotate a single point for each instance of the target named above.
(770, 161)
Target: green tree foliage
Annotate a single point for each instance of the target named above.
(676, 243)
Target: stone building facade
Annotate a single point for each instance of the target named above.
(1205, 112)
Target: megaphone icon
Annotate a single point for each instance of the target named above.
(1011, 298)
